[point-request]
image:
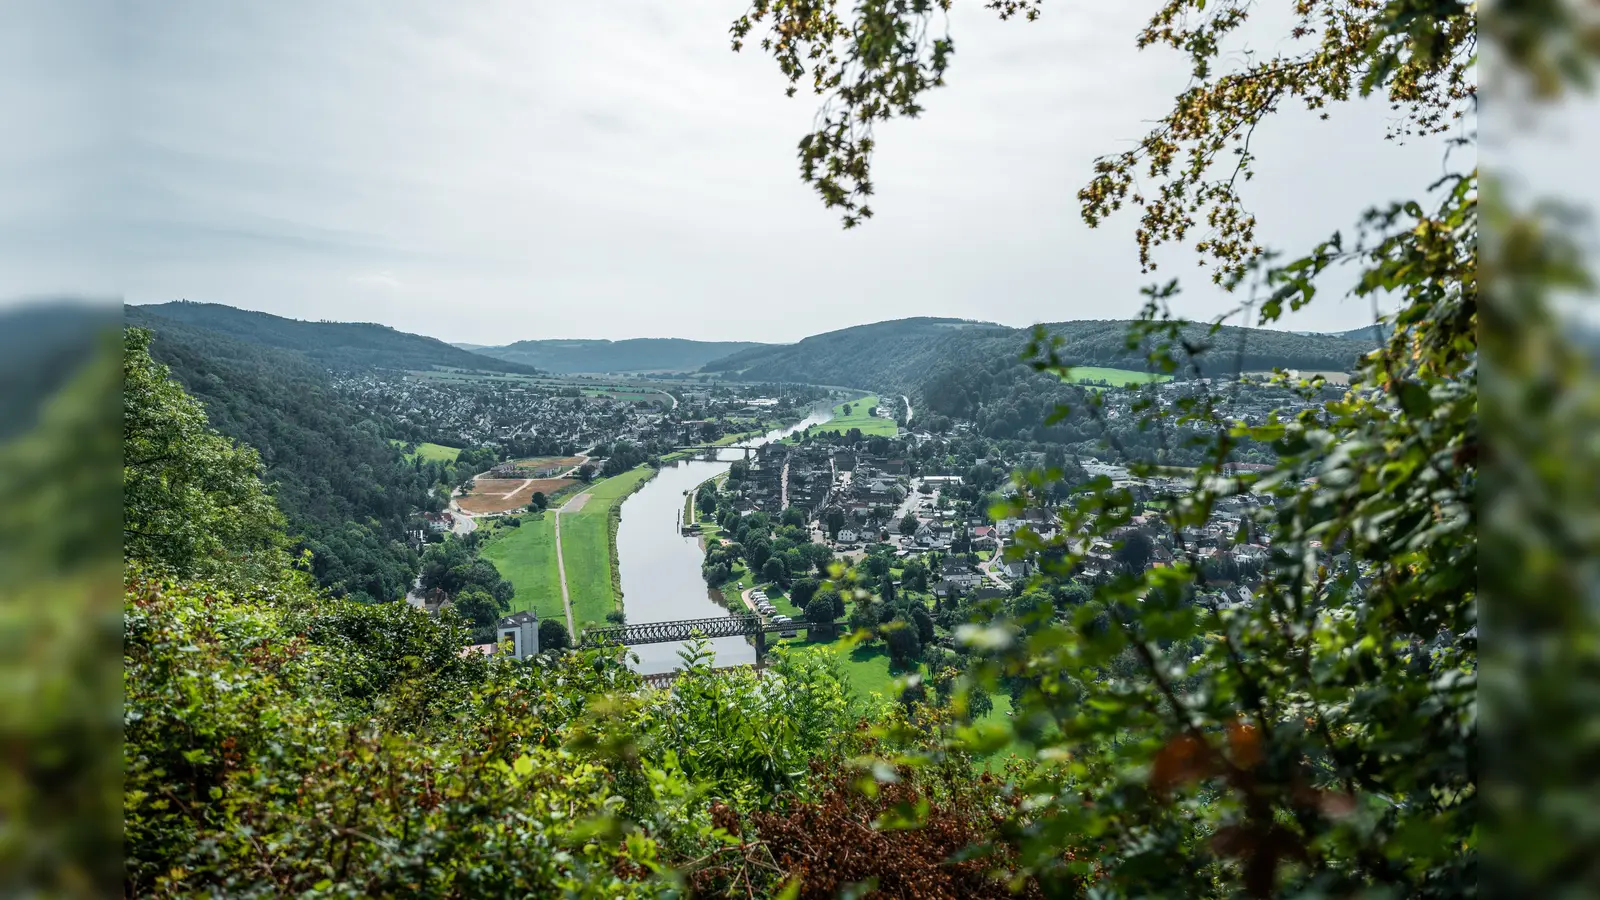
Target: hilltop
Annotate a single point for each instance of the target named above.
(633, 355)
(907, 355)
(334, 345)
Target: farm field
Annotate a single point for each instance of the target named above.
(1115, 377)
(496, 495)
(857, 418)
(550, 462)
(526, 557)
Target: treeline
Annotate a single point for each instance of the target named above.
(346, 492)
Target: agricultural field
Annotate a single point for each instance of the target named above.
(1113, 377)
(526, 557)
(549, 462)
(497, 495)
(857, 418)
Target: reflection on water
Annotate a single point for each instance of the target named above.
(661, 568)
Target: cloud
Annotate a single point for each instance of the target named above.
(376, 279)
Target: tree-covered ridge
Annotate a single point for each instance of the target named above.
(632, 355)
(907, 355)
(333, 345)
(345, 490)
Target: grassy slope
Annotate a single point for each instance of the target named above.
(586, 546)
(526, 557)
(432, 452)
(1120, 377)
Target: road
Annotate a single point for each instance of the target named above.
(573, 504)
(908, 409)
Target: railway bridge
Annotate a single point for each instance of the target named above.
(683, 630)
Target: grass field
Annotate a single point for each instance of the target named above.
(526, 557)
(431, 452)
(588, 547)
(858, 418)
(1114, 377)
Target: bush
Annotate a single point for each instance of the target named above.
(553, 635)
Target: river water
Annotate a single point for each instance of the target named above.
(660, 567)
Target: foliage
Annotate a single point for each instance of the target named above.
(193, 500)
(553, 635)
(1318, 741)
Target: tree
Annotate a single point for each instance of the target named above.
(793, 516)
(586, 472)
(1394, 462)
(478, 606)
(832, 596)
(193, 500)
(775, 570)
(820, 611)
(538, 502)
(706, 500)
(905, 647)
(1136, 552)
(553, 635)
(909, 525)
(834, 519)
(923, 622)
(802, 590)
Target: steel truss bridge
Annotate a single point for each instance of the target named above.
(686, 630)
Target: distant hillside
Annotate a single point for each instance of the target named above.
(897, 354)
(335, 345)
(907, 355)
(634, 355)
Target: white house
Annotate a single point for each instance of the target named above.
(522, 630)
(848, 536)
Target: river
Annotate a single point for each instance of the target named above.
(660, 567)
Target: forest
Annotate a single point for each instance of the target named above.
(345, 490)
(331, 345)
(914, 356)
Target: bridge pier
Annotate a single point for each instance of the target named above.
(761, 649)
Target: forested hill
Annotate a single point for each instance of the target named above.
(633, 355)
(906, 355)
(334, 345)
(897, 354)
(344, 489)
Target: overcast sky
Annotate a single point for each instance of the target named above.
(496, 171)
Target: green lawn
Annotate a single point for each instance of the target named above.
(526, 557)
(587, 552)
(1116, 377)
(858, 418)
(432, 452)
(588, 547)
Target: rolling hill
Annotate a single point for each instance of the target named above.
(334, 345)
(906, 355)
(634, 355)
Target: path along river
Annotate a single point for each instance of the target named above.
(660, 567)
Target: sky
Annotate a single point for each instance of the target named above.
(496, 171)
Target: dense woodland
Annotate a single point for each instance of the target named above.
(346, 491)
(915, 356)
(331, 345)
